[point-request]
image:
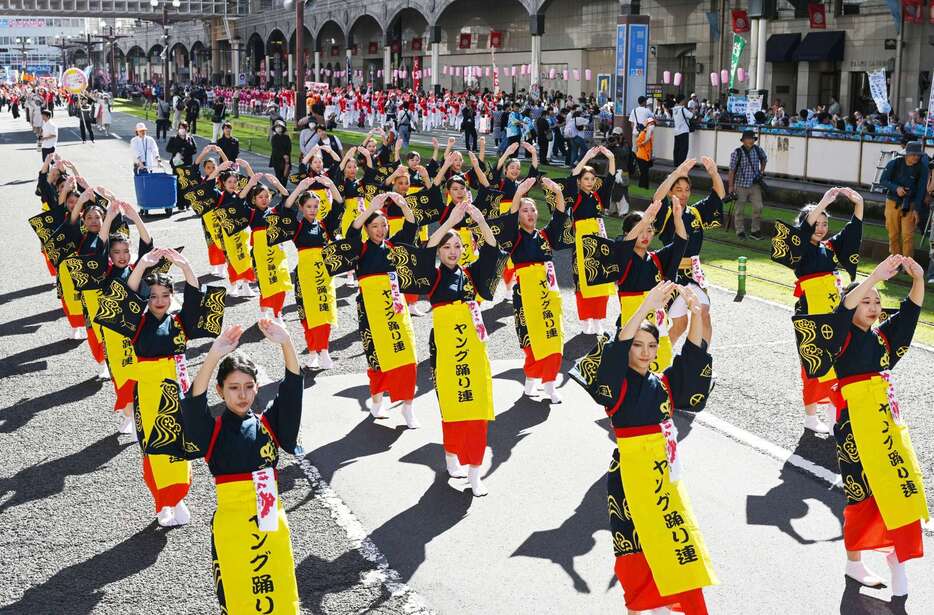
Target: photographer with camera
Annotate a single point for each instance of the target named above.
(747, 169)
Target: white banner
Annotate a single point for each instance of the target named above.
(753, 106)
(929, 117)
(879, 90)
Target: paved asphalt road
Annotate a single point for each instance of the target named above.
(389, 537)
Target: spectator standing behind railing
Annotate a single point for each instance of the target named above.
(682, 129)
(644, 153)
(905, 181)
(747, 167)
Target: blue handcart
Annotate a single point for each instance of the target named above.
(155, 191)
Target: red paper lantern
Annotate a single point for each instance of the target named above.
(464, 41)
(496, 40)
(740, 21)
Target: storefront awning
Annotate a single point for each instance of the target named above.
(821, 46)
(781, 47)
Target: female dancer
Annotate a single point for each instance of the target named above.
(356, 183)
(384, 321)
(506, 179)
(234, 236)
(661, 558)
(815, 262)
(160, 339)
(118, 349)
(703, 215)
(315, 294)
(536, 298)
(586, 196)
(269, 263)
(638, 270)
(885, 501)
(195, 185)
(459, 360)
(250, 536)
(91, 244)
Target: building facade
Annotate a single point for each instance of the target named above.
(561, 41)
(29, 42)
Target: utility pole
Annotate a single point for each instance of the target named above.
(112, 39)
(300, 110)
(62, 45)
(23, 45)
(165, 41)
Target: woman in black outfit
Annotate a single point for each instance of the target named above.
(280, 156)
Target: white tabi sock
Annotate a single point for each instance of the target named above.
(378, 410)
(182, 514)
(127, 424)
(476, 485)
(863, 575)
(551, 392)
(324, 360)
(530, 385)
(408, 413)
(166, 516)
(899, 575)
(455, 469)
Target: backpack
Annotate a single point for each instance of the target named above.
(179, 104)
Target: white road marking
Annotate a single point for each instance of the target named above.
(381, 574)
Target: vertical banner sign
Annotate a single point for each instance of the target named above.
(620, 71)
(637, 63)
(739, 43)
(879, 90)
(929, 118)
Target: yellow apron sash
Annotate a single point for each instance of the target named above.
(210, 223)
(319, 299)
(391, 331)
(886, 453)
(470, 254)
(324, 200)
(351, 211)
(462, 368)
(70, 296)
(154, 403)
(271, 272)
(582, 228)
(120, 356)
(251, 575)
(542, 308)
(671, 541)
(237, 248)
(823, 297)
(629, 305)
(92, 301)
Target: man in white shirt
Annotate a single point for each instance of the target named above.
(693, 104)
(682, 130)
(145, 151)
(638, 117)
(48, 138)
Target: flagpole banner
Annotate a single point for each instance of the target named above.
(928, 118)
(739, 44)
(713, 19)
(620, 73)
(637, 63)
(879, 90)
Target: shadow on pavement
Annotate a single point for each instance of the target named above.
(46, 479)
(512, 426)
(365, 439)
(26, 362)
(20, 413)
(22, 293)
(405, 537)
(785, 502)
(856, 603)
(29, 324)
(318, 578)
(574, 537)
(79, 588)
